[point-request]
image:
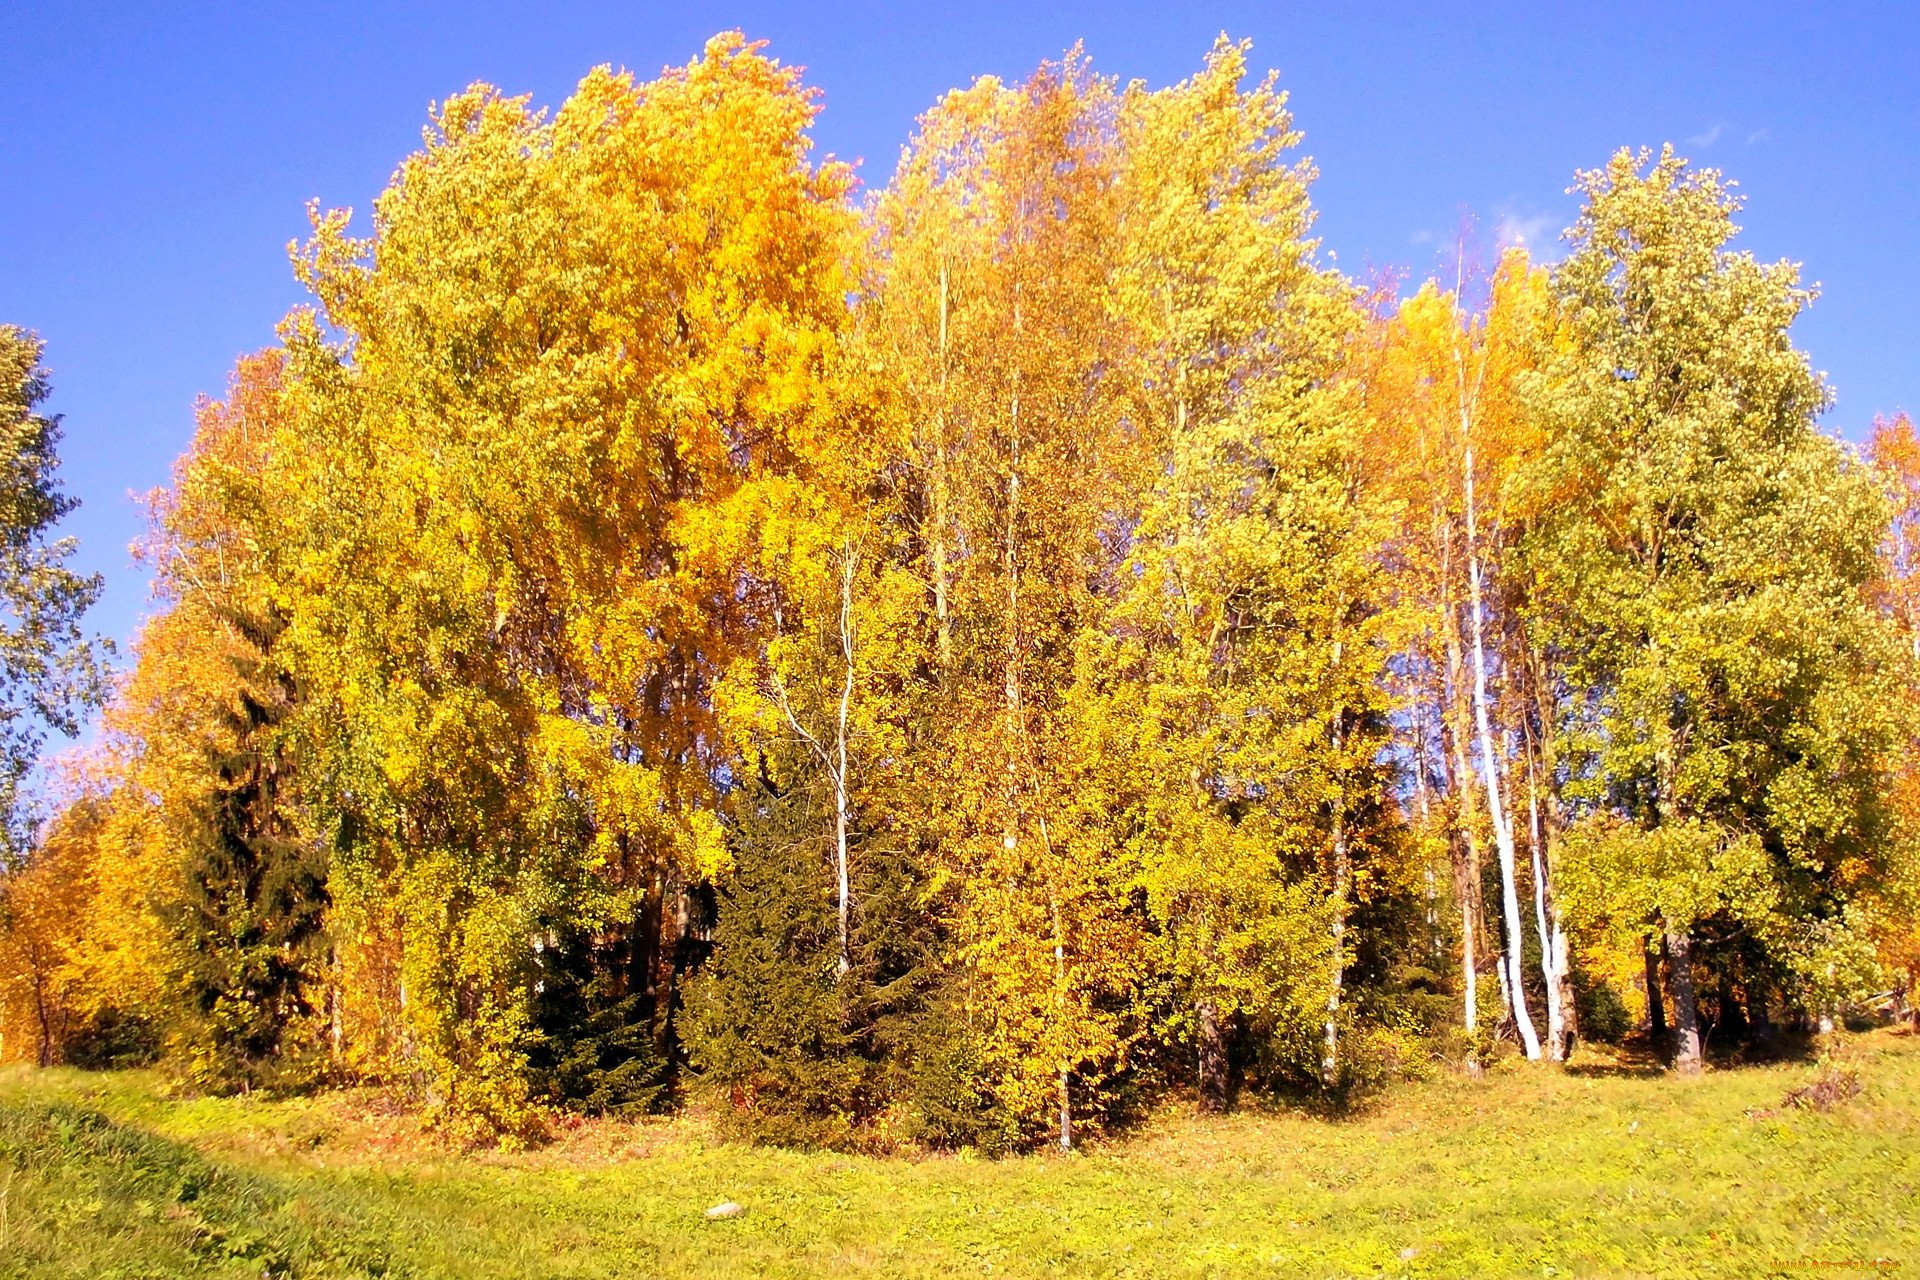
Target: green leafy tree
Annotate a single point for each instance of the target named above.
(1699, 560)
(50, 671)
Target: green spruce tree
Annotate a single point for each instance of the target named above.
(249, 924)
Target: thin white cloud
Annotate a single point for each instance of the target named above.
(1422, 237)
(1708, 138)
(1524, 230)
(1758, 135)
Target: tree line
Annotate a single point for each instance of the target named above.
(957, 665)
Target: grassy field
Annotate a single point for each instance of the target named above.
(1599, 1170)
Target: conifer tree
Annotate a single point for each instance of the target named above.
(790, 1046)
(249, 923)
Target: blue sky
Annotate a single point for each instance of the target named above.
(156, 159)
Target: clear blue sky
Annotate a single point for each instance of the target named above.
(156, 159)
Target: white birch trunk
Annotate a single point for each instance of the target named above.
(943, 627)
(836, 757)
(849, 567)
(1490, 779)
(1060, 998)
(1454, 741)
(1468, 963)
(1550, 949)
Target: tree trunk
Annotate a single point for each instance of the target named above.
(1215, 1066)
(1501, 971)
(1467, 889)
(849, 568)
(1066, 1109)
(943, 627)
(1759, 1018)
(1471, 995)
(1467, 886)
(1553, 949)
(833, 757)
(46, 1022)
(1060, 1002)
(667, 961)
(1342, 877)
(1687, 1059)
(1466, 870)
(1656, 1009)
(1330, 1045)
(1464, 844)
(1423, 802)
(1730, 1014)
(1548, 822)
(1496, 809)
(1563, 969)
(1496, 804)
(840, 864)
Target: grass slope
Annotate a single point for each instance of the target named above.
(1595, 1171)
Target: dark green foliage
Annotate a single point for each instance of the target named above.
(791, 1050)
(768, 1026)
(250, 927)
(1603, 1016)
(111, 1040)
(946, 1108)
(50, 673)
(596, 1047)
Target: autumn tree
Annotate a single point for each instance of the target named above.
(1232, 694)
(1702, 549)
(240, 892)
(45, 905)
(545, 379)
(1001, 223)
(1895, 451)
(1447, 391)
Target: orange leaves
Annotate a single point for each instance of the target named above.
(1895, 450)
(587, 362)
(1444, 374)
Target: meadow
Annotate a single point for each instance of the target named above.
(1604, 1168)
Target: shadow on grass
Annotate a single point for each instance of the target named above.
(79, 1178)
(1636, 1057)
(1651, 1069)
(1787, 1045)
(1640, 1057)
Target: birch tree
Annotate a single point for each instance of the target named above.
(1234, 694)
(1451, 379)
(997, 247)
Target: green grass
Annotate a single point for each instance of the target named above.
(1597, 1171)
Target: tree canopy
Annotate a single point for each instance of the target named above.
(959, 664)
